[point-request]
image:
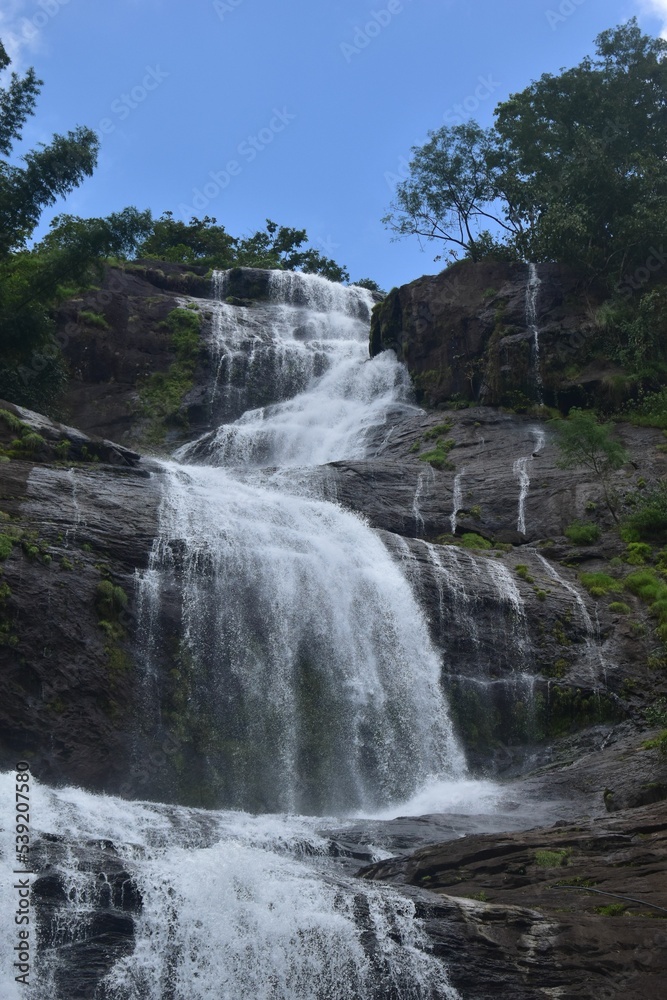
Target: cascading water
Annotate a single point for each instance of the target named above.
(532, 293)
(521, 466)
(306, 682)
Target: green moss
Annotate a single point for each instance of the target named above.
(620, 608)
(415, 447)
(523, 573)
(552, 859)
(470, 540)
(62, 449)
(30, 442)
(66, 564)
(580, 533)
(6, 546)
(600, 584)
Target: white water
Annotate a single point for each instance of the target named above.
(234, 907)
(306, 683)
(532, 293)
(457, 499)
(521, 472)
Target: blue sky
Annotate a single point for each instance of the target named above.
(297, 110)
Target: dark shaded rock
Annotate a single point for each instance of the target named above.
(507, 925)
(464, 335)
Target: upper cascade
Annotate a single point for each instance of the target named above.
(294, 376)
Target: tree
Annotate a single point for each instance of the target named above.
(584, 442)
(574, 169)
(454, 188)
(583, 154)
(46, 174)
(203, 241)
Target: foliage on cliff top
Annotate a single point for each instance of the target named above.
(573, 169)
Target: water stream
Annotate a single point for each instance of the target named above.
(307, 687)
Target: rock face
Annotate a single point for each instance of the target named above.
(465, 334)
(532, 914)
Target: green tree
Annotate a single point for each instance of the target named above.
(204, 242)
(583, 154)
(574, 169)
(45, 174)
(453, 191)
(586, 443)
(29, 278)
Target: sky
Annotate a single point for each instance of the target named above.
(302, 111)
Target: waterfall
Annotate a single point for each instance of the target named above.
(521, 472)
(222, 905)
(457, 499)
(288, 667)
(532, 293)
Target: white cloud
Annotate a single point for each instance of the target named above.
(659, 9)
(20, 28)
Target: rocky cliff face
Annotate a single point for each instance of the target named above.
(466, 334)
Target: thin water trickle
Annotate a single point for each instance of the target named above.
(520, 469)
(532, 294)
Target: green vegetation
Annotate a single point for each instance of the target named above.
(204, 242)
(611, 910)
(656, 714)
(620, 608)
(438, 456)
(586, 443)
(162, 394)
(110, 600)
(471, 540)
(659, 742)
(648, 520)
(523, 573)
(600, 584)
(581, 533)
(93, 319)
(572, 170)
(552, 859)
(652, 589)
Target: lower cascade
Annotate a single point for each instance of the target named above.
(308, 686)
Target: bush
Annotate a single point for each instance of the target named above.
(637, 553)
(6, 546)
(611, 910)
(109, 599)
(648, 521)
(438, 456)
(658, 743)
(600, 584)
(619, 608)
(91, 318)
(470, 540)
(551, 859)
(581, 533)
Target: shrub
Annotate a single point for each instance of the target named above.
(438, 456)
(657, 743)
(551, 859)
(581, 533)
(611, 910)
(109, 599)
(438, 431)
(91, 318)
(656, 714)
(6, 546)
(648, 521)
(637, 553)
(599, 584)
(522, 572)
(470, 540)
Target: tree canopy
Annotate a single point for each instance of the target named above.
(574, 168)
(205, 242)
